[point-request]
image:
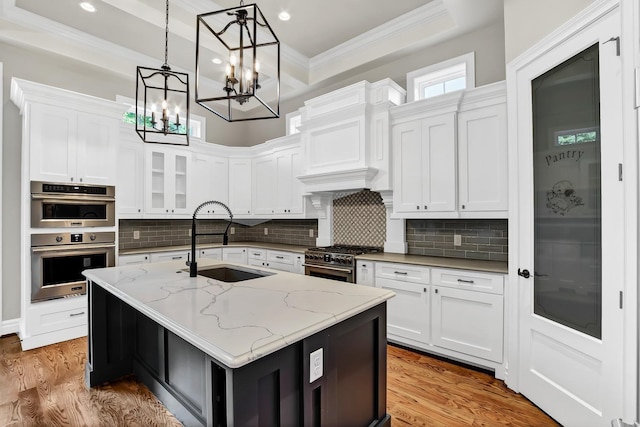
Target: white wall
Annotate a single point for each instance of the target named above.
(526, 21)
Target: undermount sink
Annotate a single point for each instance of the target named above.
(231, 274)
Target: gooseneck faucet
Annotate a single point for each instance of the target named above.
(193, 265)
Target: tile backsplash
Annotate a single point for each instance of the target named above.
(359, 219)
(175, 232)
(481, 238)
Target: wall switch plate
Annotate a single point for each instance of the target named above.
(232, 230)
(315, 365)
(266, 231)
(136, 234)
(457, 240)
(311, 232)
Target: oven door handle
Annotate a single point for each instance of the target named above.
(73, 198)
(72, 248)
(344, 270)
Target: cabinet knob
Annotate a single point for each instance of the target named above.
(167, 210)
(138, 210)
(71, 179)
(462, 206)
(80, 179)
(425, 207)
(418, 207)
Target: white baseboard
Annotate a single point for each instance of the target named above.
(11, 326)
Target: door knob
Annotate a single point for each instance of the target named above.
(524, 273)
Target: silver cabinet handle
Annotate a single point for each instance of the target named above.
(404, 273)
(76, 314)
(465, 281)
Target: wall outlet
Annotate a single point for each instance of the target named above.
(189, 233)
(457, 240)
(232, 230)
(136, 234)
(315, 365)
(266, 231)
(311, 232)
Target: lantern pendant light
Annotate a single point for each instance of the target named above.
(162, 101)
(247, 87)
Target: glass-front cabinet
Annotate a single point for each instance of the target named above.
(167, 180)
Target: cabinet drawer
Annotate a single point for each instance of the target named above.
(51, 316)
(402, 272)
(260, 254)
(280, 257)
(470, 280)
(169, 256)
(133, 259)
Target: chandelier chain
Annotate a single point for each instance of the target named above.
(166, 36)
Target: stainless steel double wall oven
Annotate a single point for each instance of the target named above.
(58, 258)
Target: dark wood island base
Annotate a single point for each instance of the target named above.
(273, 390)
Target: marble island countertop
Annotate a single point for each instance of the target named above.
(236, 323)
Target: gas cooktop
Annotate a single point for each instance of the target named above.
(347, 249)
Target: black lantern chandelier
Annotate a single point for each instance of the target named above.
(161, 96)
(247, 87)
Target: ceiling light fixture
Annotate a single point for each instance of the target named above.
(252, 48)
(217, 61)
(170, 90)
(87, 6)
(284, 16)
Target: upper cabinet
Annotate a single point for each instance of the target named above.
(71, 137)
(424, 151)
(130, 182)
(276, 190)
(211, 182)
(450, 156)
(240, 171)
(167, 180)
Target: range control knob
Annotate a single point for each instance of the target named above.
(58, 239)
(92, 237)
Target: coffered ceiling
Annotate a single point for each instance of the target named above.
(323, 38)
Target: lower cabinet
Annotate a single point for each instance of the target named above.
(456, 313)
(234, 254)
(276, 260)
(364, 273)
(134, 259)
(49, 322)
(211, 253)
(169, 256)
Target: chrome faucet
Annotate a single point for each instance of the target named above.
(193, 265)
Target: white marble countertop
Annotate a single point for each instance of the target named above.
(236, 323)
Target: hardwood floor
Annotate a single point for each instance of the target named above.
(45, 387)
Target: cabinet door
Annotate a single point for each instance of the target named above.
(281, 266)
(166, 181)
(469, 322)
(129, 185)
(180, 183)
(482, 156)
(298, 264)
(97, 149)
(407, 167)
(438, 163)
(238, 255)
(364, 273)
(407, 312)
(264, 185)
(52, 134)
(240, 186)
(211, 177)
(288, 166)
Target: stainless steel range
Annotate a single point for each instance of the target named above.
(335, 262)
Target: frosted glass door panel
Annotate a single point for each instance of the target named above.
(567, 188)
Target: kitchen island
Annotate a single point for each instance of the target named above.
(272, 348)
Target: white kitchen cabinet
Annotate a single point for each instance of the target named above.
(409, 312)
(211, 175)
(424, 165)
(256, 257)
(170, 256)
(129, 185)
(210, 253)
(276, 189)
(134, 259)
(298, 263)
(234, 254)
(365, 273)
(71, 146)
(482, 162)
(48, 322)
(468, 313)
(240, 186)
(167, 181)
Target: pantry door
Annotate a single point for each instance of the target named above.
(570, 227)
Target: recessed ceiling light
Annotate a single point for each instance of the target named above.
(216, 61)
(284, 16)
(87, 6)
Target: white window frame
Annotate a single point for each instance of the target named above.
(434, 74)
(293, 120)
(196, 123)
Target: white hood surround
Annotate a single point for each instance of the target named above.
(346, 140)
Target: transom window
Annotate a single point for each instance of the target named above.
(445, 77)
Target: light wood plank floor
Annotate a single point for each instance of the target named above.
(45, 387)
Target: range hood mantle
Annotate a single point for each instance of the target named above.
(339, 180)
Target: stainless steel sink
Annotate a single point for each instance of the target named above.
(230, 274)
